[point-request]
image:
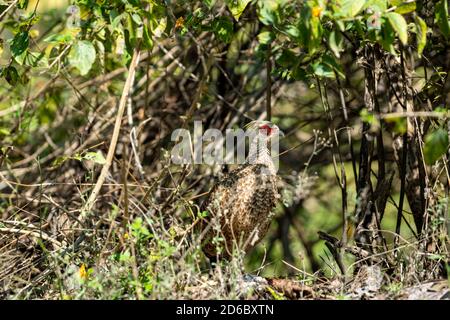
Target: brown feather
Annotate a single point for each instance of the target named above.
(240, 207)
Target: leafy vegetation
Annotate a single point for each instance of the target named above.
(91, 91)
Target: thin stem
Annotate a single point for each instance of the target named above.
(403, 164)
(269, 83)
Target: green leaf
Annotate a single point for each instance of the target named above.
(292, 31)
(137, 19)
(351, 8)
(298, 73)
(388, 37)
(11, 75)
(399, 24)
(59, 38)
(436, 145)
(23, 4)
(59, 161)
(268, 12)
(223, 29)
(4, 131)
(286, 59)
(125, 257)
(82, 56)
(441, 17)
(19, 43)
(369, 117)
(403, 6)
(331, 61)
(335, 41)
(340, 25)
(97, 157)
(421, 34)
(116, 20)
(202, 214)
(323, 70)
(32, 59)
(265, 37)
(311, 29)
(148, 41)
(161, 27)
(237, 7)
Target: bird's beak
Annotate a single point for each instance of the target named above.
(280, 133)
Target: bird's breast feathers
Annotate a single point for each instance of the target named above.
(246, 190)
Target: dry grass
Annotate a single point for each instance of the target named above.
(135, 236)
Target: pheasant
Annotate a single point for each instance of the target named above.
(240, 205)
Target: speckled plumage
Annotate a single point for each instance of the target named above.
(240, 206)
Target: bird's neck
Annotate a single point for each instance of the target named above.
(259, 153)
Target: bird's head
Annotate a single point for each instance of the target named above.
(264, 128)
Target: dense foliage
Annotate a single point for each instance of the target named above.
(91, 90)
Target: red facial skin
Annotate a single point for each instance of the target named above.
(266, 129)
